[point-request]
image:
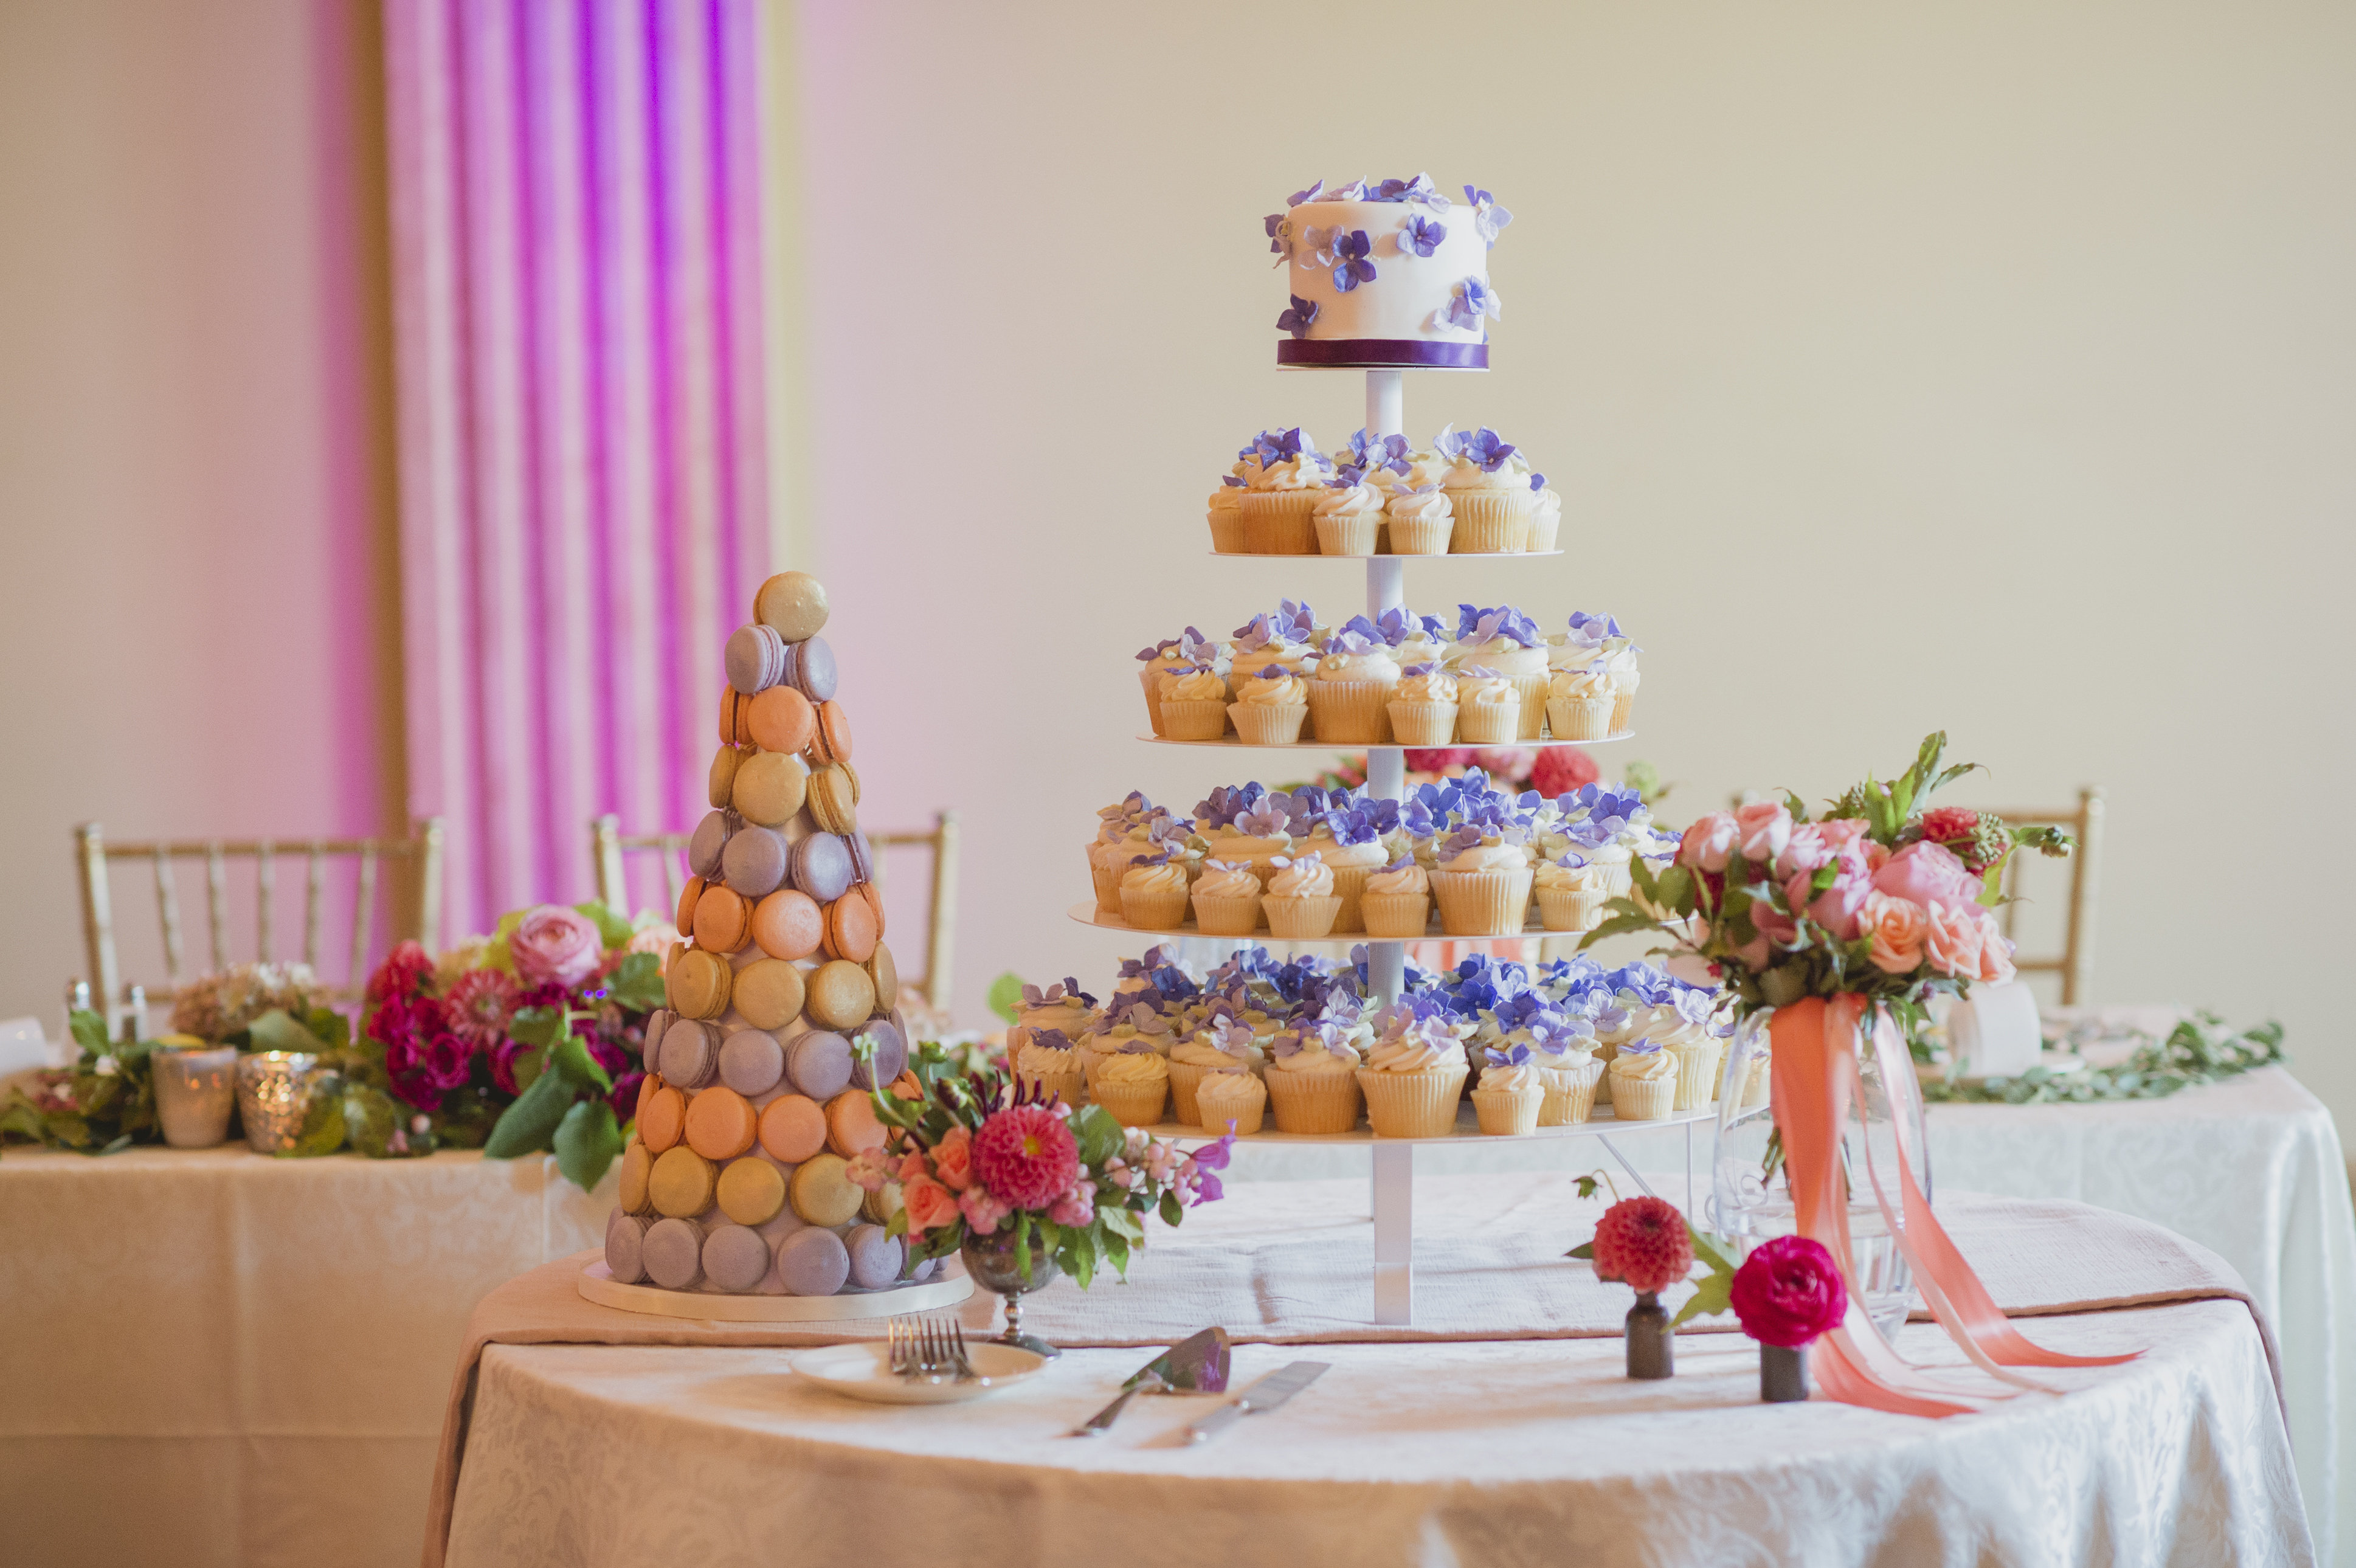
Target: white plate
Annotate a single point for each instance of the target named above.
(863, 1371)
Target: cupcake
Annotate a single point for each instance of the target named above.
(1414, 1075)
(1227, 516)
(1287, 638)
(1351, 842)
(1154, 893)
(1622, 661)
(1413, 638)
(1483, 884)
(1685, 1032)
(1643, 1082)
(1194, 703)
(1491, 502)
(1571, 1075)
(1397, 903)
(1488, 708)
(1578, 703)
(1546, 517)
(1270, 706)
(1300, 904)
(1175, 653)
(1422, 706)
(1226, 900)
(1133, 1019)
(1257, 837)
(1132, 1083)
(1354, 679)
(1511, 1089)
(1420, 520)
(1123, 829)
(1347, 515)
(1279, 500)
(1063, 1007)
(1047, 1064)
(1312, 1081)
(1230, 1099)
(1509, 642)
(1569, 893)
(1224, 1043)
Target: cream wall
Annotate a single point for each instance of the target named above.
(195, 483)
(1991, 366)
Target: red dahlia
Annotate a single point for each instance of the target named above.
(1026, 1156)
(1644, 1241)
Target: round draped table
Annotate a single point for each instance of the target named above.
(1524, 1452)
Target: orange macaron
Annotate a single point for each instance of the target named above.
(723, 919)
(851, 1123)
(689, 896)
(851, 928)
(662, 1116)
(788, 924)
(793, 1128)
(781, 719)
(721, 1125)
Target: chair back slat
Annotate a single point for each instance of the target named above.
(265, 901)
(315, 887)
(2075, 963)
(217, 901)
(97, 912)
(168, 912)
(364, 916)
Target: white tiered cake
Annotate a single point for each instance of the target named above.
(1386, 272)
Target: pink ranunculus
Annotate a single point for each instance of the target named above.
(406, 969)
(504, 1056)
(556, 944)
(1952, 937)
(624, 1097)
(1077, 1206)
(1928, 874)
(982, 1211)
(1838, 906)
(953, 1159)
(1788, 1291)
(1709, 844)
(930, 1205)
(1762, 830)
(1896, 927)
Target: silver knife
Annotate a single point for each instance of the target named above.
(1195, 1365)
(1266, 1394)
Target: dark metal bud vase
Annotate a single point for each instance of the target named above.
(1651, 1343)
(997, 1267)
(1783, 1373)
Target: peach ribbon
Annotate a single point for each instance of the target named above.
(1814, 1081)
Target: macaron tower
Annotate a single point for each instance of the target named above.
(735, 1180)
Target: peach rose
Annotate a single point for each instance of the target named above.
(930, 1205)
(1709, 843)
(953, 1159)
(1963, 940)
(1762, 829)
(1896, 927)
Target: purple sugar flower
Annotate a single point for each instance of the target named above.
(1415, 189)
(1051, 1040)
(1379, 451)
(1473, 300)
(1351, 266)
(1299, 319)
(1265, 820)
(1298, 196)
(1537, 482)
(1509, 1056)
(1486, 447)
(1231, 479)
(1148, 655)
(1421, 234)
(1357, 190)
(1297, 618)
(1487, 216)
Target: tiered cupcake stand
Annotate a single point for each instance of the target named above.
(1393, 1158)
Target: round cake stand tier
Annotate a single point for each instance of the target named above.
(597, 1283)
(1468, 1131)
(1232, 744)
(1362, 560)
(1086, 913)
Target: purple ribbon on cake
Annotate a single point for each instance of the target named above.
(1410, 352)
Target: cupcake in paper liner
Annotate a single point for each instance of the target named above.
(1136, 1020)
(1578, 703)
(1396, 904)
(1311, 1080)
(1226, 900)
(1173, 653)
(1422, 706)
(1350, 840)
(1048, 1064)
(1413, 638)
(1194, 703)
(1643, 1082)
(1420, 518)
(1414, 1075)
(1492, 501)
(1546, 517)
(1571, 893)
(1133, 1083)
(1226, 512)
(1488, 707)
(1230, 1099)
(1154, 893)
(1355, 677)
(1346, 516)
(1511, 1089)
(1509, 642)
(1224, 1043)
(1279, 501)
(1300, 904)
(1270, 707)
(1061, 1006)
(1482, 882)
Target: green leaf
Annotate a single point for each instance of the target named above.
(1119, 1221)
(637, 985)
(1711, 1295)
(537, 1026)
(587, 1140)
(612, 928)
(1099, 1136)
(330, 1028)
(277, 1030)
(89, 1030)
(323, 1126)
(1617, 924)
(1005, 996)
(1173, 1211)
(1676, 886)
(1116, 1247)
(580, 1069)
(371, 1118)
(530, 1124)
(1584, 1250)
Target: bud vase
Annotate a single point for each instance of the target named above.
(1750, 1199)
(1652, 1343)
(997, 1267)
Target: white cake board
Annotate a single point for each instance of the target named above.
(597, 1283)
(1235, 744)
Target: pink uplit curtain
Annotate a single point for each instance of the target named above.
(577, 229)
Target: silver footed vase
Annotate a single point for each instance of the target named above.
(994, 1264)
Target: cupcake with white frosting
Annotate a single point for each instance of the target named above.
(1579, 703)
(1482, 882)
(1133, 1084)
(1643, 1081)
(1491, 502)
(1230, 1100)
(1224, 1043)
(1347, 516)
(1396, 904)
(1488, 707)
(1153, 892)
(1226, 900)
(1419, 518)
(1423, 706)
(1546, 516)
(1194, 703)
(1281, 499)
(1311, 1080)
(1414, 1074)
(1355, 676)
(1300, 904)
(1511, 1089)
(1509, 642)
(1571, 892)
(1049, 1064)
(1270, 706)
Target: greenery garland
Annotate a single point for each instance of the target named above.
(2199, 1050)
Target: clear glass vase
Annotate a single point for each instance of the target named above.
(1750, 1198)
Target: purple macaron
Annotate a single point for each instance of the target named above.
(821, 1064)
(756, 657)
(754, 863)
(875, 1258)
(750, 1062)
(690, 1054)
(710, 841)
(626, 1236)
(862, 856)
(673, 1254)
(891, 1055)
(810, 667)
(734, 1259)
(813, 1263)
(821, 867)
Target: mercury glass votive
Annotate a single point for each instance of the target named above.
(274, 1093)
(195, 1091)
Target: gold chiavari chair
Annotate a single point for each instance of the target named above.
(2075, 963)
(608, 845)
(416, 903)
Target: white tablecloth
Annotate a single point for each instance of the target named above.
(1488, 1453)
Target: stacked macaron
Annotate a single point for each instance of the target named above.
(780, 1014)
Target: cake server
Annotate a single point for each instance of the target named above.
(1195, 1365)
(1266, 1394)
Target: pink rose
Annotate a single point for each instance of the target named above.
(1762, 829)
(869, 1170)
(1896, 927)
(953, 1159)
(1077, 1206)
(982, 1212)
(1835, 909)
(556, 945)
(1805, 850)
(930, 1205)
(1928, 874)
(1965, 940)
(1709, 843)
